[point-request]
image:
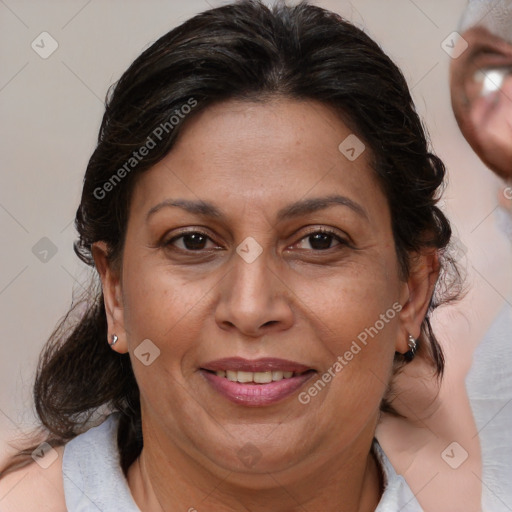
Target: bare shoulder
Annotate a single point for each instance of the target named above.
(37, 486)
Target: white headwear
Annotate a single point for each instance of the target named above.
(494, 15)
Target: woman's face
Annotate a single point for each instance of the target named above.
(239, 268)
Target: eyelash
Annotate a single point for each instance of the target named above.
(341, 241)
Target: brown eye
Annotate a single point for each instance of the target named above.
(191, 241)
(321, 240)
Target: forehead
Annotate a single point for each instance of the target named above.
(263, 153)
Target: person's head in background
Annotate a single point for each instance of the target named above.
(481, 82)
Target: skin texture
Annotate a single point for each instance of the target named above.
(485, 121)
(294, 301)
(288, 303)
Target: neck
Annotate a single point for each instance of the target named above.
(164, 478)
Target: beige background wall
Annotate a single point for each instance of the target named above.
(51, 109)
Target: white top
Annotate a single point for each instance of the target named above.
(94, 480)
(489, 387)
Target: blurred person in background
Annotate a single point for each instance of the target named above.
(481, 93)
(481, 83)
(471, 456)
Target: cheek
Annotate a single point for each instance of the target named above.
(160, 306)
(357, 319)
(349, 303)
(165, 309)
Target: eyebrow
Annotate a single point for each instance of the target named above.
(302, 207)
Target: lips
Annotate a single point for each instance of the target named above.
(258, 382)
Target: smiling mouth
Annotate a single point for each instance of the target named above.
(256, 389)
(244, 377)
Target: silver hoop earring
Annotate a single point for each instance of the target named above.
(114, 340)
(413, 346)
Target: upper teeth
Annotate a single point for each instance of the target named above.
(257, 377)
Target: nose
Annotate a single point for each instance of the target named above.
(254, 298)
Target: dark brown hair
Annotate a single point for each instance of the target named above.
(241, 51)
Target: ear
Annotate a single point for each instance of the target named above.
(416, 295)
(112, 296)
